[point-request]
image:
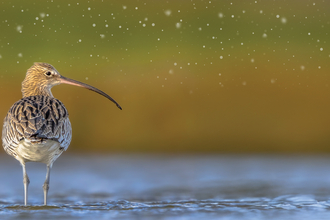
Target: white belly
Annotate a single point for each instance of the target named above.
(46, 152)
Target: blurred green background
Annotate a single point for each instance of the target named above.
(191, 76)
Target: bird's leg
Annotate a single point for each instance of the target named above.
(46, 184)
(26, 182)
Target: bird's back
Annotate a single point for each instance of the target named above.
(36, 119)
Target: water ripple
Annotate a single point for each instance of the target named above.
(300, 206)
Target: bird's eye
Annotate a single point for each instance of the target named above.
(48, 74)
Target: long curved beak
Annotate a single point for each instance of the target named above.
(80, 84)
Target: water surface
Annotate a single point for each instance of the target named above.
(170, 187)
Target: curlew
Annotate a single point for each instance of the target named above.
(37, 127)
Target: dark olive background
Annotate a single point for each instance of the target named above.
(191, 76)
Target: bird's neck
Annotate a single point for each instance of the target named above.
(32, 89)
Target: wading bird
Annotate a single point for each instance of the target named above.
(37, 127)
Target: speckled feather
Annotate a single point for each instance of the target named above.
(36, 118)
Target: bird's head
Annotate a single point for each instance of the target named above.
(41, 77)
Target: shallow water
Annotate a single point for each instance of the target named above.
(170, 187)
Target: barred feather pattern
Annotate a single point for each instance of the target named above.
(34, 119)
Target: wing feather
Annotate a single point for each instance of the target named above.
(35, 118)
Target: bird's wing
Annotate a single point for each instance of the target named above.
(36, 118)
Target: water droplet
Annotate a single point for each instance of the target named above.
(19, 28)
(168, 12)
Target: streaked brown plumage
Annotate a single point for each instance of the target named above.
(37, 127)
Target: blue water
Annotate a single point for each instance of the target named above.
(170, 187)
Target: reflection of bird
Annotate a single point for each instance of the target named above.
(37, 127)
